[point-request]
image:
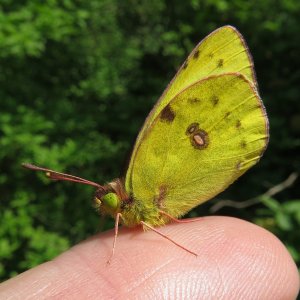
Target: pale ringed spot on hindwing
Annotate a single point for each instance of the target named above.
(198, 137)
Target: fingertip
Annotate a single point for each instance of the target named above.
(235, 257)
(236, 260)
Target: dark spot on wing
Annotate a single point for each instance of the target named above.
(158, 200)
(243, 144)
(167, 114)
(214, 100)
(193, 100)
(238, 124)
(227, 114)
(220, 63)
(192, 128)
(196, 54)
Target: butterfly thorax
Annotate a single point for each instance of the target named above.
(112, 199)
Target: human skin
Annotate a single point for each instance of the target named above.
(236, 260)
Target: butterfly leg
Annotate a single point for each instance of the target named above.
(177, 220)
(168, 238)
(115, 237)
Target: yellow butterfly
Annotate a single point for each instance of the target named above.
(206, 130)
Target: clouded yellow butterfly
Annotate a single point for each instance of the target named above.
(206, 130)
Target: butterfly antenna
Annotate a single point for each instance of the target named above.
(61, 176)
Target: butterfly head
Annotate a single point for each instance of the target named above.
(109, 199)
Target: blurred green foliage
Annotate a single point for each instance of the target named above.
(283, 219)
(77, 80)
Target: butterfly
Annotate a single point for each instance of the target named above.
(207, 129)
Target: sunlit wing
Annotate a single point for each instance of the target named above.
(202, 141)
(223, 51)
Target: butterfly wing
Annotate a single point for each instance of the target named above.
(204, 139)
(224, 50)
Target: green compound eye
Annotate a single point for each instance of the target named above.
(111, 201)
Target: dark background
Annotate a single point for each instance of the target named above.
(77, 80)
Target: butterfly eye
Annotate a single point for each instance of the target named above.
(111, 201)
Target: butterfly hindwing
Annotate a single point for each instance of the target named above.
(203, 140)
